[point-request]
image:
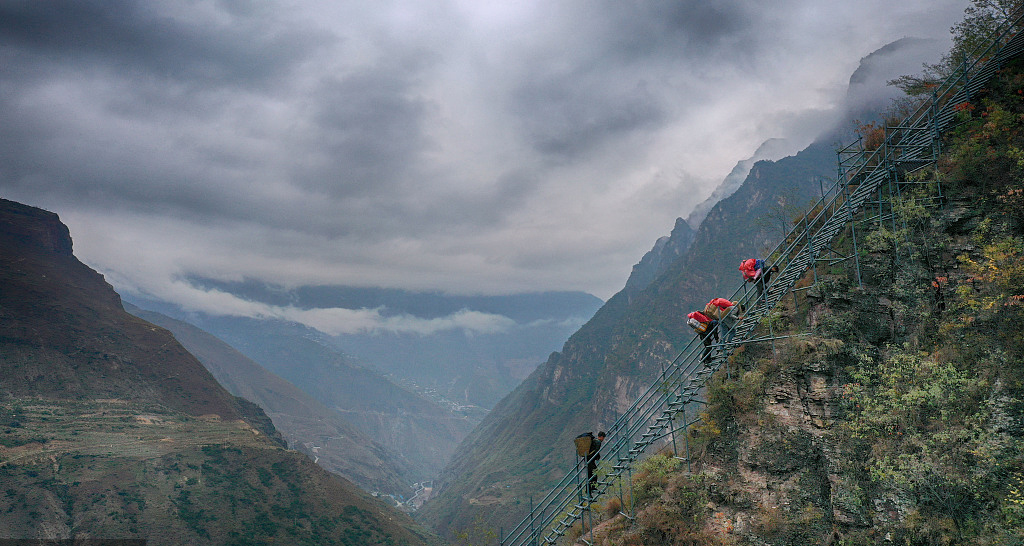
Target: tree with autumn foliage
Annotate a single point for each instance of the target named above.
(978, 28)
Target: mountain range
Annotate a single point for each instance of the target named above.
(304, 422)
(415, 394)
(428, 348)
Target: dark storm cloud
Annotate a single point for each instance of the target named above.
(156, 119)
(598, 89)
(568, 114)
(679, 29)
(130, 36)
(370, 125)
(98, 99)
(457, 145)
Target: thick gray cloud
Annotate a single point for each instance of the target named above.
(463, 146)
(241, 44)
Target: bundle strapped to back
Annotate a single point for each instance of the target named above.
(583, 443)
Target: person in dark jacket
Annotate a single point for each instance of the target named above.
(592, 458)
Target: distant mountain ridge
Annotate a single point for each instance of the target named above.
(771, 149)
(452, 361)
(519, 307)
(307, 425)
(411, 426)
(657, 260)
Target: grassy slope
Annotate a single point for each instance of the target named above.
(120, 469)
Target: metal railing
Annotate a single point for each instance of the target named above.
(911, 145)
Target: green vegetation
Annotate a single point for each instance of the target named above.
(117, 468)
(651, 477)
(934, 413)
(900, 418)
(970, 35)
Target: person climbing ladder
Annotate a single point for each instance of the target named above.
(727, 313)
(755, 270)
(707, 328)
(589, 449)
(592, 457)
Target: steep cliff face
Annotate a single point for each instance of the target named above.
(770, 465)
(29, 226)
(657, 260)
(772, 149)
(65, 333)
(896, 417)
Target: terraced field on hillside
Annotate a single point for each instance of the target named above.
(33, 429)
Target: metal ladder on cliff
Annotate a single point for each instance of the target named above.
(910, 146)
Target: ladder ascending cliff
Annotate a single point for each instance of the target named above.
(908, 147)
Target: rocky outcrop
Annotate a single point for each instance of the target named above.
(24, 225)
(772, 149)
(777, 462)
(657, 260)
(64, 333)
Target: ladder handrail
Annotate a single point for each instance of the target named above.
(686, 374)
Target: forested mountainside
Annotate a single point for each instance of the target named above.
(899, 417)
(110, 429)
(307, 425)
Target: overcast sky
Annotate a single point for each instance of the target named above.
(465, 146)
